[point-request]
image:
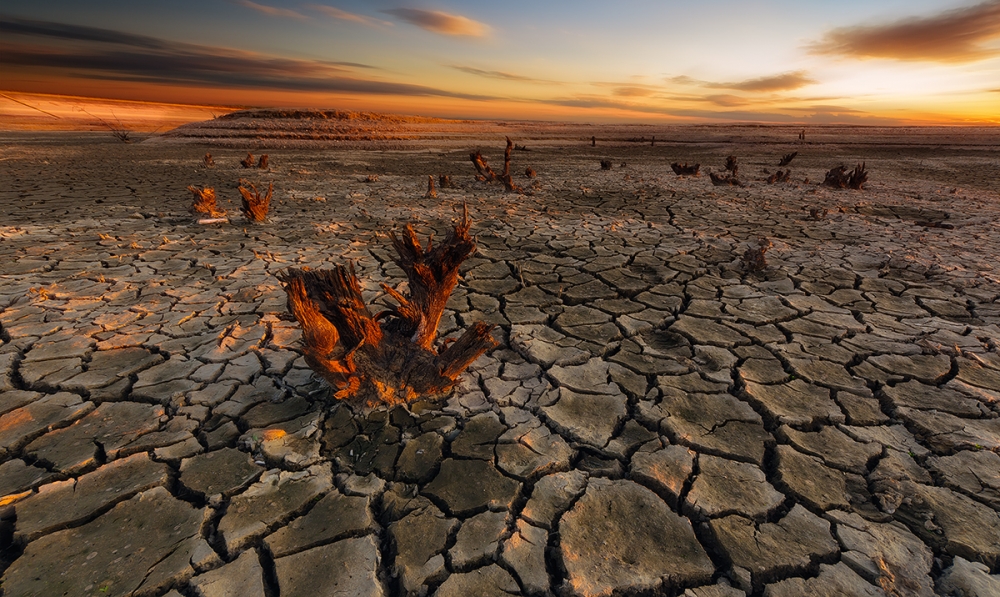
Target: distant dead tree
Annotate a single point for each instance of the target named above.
(431, 193)
(593, 141)
(393, 357)
(732, 165)
(204, 202)
(482, 167)
(787, 159)
(209, 162)
(255, 205)
(444, 181)
(838, 177)
(818, 213)
(802, 135)
(487, 174)
(722, 181)
(652, 142)
(753, 260)
(247, 162)
(685, 170)
(505, 178)
(262, 163)
(779, 176)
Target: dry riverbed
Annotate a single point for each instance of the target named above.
(656, 420)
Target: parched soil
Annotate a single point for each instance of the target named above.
(666, 412)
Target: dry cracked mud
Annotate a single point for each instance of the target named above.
(656, 419)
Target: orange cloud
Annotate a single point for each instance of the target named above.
(633, 91)
(343, 15)
(440, 22)
(784, 82)
(952, 36)
(270, 10)
(497, 74)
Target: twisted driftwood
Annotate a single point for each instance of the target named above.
(685, 170)
(255, 205)
(393, 357)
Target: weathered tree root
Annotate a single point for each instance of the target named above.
(255, 205)
(209, 161)
(204, 202)
(787, 158)
(262, 163)
(247, 162)
(685, 170)
(391, 358)
(838, 177)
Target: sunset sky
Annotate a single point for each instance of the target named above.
(850, 61)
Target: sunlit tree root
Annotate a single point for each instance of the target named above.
(393, 357)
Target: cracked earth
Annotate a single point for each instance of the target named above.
(656, 420)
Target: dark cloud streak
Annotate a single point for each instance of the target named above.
(112, 55)
(952, 36)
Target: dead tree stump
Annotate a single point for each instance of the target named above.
(255, 205)
(204, 202)
(685, 170)
(209, 162)
(262, 163)
(431, 193)
(530, 172)
(444, 181)
(787, 158)
(605, 164)
(247, 162)
(393, 357)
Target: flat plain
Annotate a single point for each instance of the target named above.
(660, 416)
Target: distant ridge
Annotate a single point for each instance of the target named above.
(305, 114)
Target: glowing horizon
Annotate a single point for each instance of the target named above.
(881, 63)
